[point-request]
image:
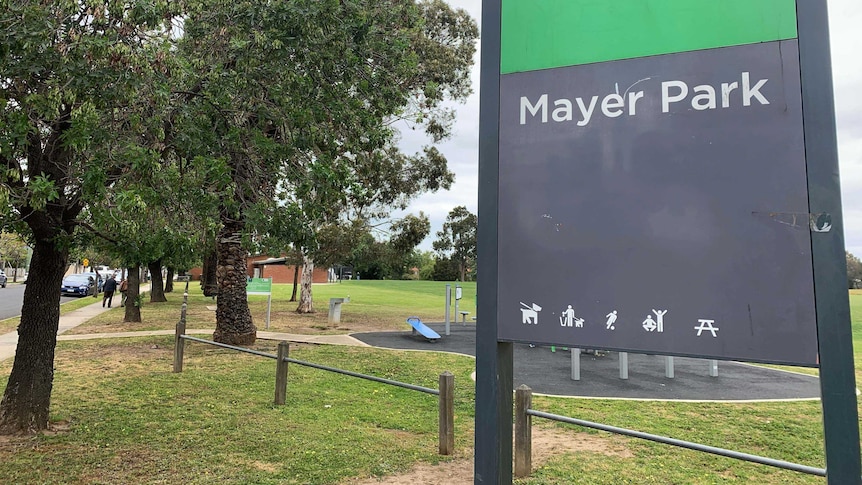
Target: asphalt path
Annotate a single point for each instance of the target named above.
(548, 372)
(12, 298)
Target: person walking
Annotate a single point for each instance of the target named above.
(124, 286)
(109, 288)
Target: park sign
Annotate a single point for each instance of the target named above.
(653, 190)
(259, 286)
(660, 176)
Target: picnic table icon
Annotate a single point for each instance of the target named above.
(530, 313)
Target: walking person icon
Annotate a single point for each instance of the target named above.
(612, 317)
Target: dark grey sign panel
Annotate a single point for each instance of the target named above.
(659, 205)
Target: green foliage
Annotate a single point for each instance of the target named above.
(391, 259)
(445, 269)
(424, 260)
(136, 129)
(457, 241)
(13, 250)
(302, 96)
(42, 191)
(854, 271)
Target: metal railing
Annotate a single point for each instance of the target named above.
(445, 391)
(523, 445)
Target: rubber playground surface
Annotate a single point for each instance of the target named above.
(549, 372)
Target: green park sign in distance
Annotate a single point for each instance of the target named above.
(260, 286)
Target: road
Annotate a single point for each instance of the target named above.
(11, 298)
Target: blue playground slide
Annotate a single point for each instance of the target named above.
(423, 329)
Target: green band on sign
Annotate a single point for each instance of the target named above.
(543, 34)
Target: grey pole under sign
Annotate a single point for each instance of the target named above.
(837, 374)
(494, 359)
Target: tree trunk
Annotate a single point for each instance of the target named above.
(209, 281)
(305, 301)
(96, 290)
(27, 399)
(133, 310)
(295, 282)
(169, 280)
(157, 286)
(234, 324)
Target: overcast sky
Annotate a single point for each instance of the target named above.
(846, 38)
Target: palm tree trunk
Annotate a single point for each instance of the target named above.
(209, 281)
(234, 324)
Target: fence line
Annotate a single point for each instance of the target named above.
(445, 393)
(523, 446)
(412, 387)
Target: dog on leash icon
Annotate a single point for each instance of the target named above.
(530, 313)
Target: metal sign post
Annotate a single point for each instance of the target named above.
(837, 375)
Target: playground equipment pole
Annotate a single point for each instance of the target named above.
(457, 300)
(448, 304)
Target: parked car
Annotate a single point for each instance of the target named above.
(100, 280)
(2, 279)
(81, 284)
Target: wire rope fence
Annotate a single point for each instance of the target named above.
(523, 439)
(445, 391)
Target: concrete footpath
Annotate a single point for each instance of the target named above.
(9, 341)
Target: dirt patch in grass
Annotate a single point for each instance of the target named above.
(547, 443)
(198, 317)
(100, 356)
(27, 440)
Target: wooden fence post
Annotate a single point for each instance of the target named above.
(523, 431)
(281, 373)
(179, 345)
(447, 413)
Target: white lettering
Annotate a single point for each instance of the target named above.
(667, 99)
(533, 109)
(748, 92)
(725, 93)
(705, 99)
(612, 105)
(563, 111)
(586, 113)
(633, 99)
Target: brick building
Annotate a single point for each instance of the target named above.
(277, 268)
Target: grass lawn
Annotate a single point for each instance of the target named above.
(123, 417)
(374, 305)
